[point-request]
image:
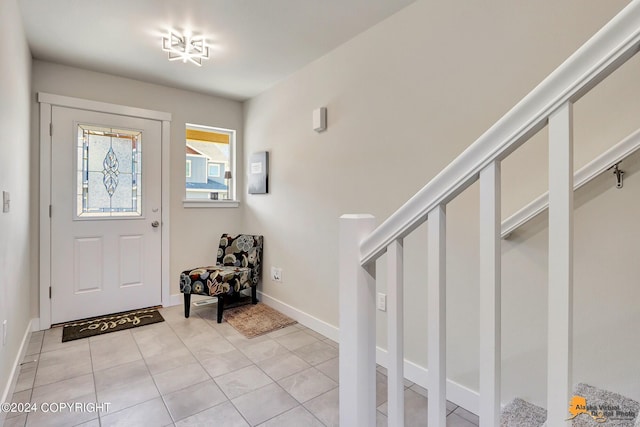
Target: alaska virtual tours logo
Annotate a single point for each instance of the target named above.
(600, 413)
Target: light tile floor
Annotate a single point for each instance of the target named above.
(195, 372)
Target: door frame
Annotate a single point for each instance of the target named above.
(47, 101)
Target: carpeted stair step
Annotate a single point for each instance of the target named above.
(520, 413)
(619, 406)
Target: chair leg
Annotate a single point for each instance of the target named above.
(220, 307)
(187, 304)
(254, 295)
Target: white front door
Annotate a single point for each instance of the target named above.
(106, 214)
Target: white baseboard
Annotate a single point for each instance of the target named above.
(463, 396)
(456, 393)
(176, 299)
(303, 318)
(7, 391)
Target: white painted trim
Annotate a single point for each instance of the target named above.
(588, 172)
(176, 299)
(102, 107)
(524, 215)
(47, 101)
(357, 311)
(607, 50)
(301, 317)
(194, 203)
(9, 387)
(462, 396)
(456, 393)
(560, 278)
(437, 315)
(490, 295)
(165, 194)
(45, 220)
(395, 341)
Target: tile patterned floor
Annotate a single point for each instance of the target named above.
(195, 372)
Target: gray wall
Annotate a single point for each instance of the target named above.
(414, 92)
(16, 265)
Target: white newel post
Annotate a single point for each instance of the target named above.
(357, 325)
(437, 316)
(560, 320)
(395, 334)
(490, 298)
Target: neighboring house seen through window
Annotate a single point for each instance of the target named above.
(209, 155)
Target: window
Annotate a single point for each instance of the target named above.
(210, 169)
(214, 170)
(108, 172)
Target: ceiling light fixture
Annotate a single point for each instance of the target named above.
(185, 48)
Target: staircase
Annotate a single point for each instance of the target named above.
(520, 413)
(361, 243)
(617, 410)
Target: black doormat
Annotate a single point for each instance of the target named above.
(110, 323)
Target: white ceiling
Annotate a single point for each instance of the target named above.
(255, 43)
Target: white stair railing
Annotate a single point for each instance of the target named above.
(490, 301)
(395, 341)
(361, 244)
(357, 363)
(560, 286)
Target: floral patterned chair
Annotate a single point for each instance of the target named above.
(238, 267)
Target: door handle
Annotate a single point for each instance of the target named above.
(155, 224)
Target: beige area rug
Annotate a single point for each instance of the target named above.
(255, 320)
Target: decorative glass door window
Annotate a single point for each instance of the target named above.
(109, 172)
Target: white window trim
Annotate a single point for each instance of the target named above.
(206, 203)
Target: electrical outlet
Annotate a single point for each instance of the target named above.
(382, 301)
(276, 274)
(4, 332)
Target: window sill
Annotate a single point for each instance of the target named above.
(210, 203)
